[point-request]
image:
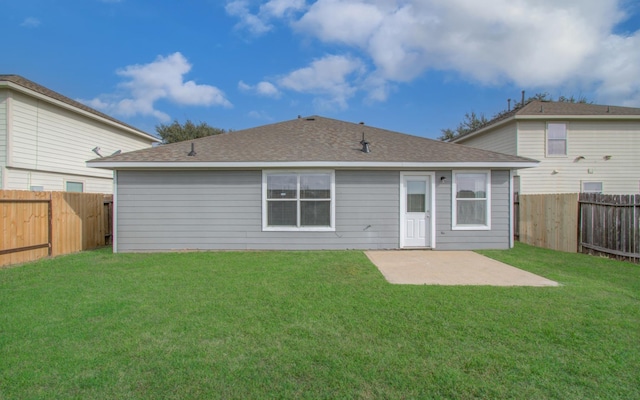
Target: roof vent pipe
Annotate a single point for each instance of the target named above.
(193, 150)
(365, 145)
(508, 104)
(522, 104)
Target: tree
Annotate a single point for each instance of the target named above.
(470, 123)
(175, 132)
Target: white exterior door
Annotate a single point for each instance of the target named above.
(415, 210)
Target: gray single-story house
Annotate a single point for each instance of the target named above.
(312, 183)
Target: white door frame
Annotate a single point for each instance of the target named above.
(431, 201)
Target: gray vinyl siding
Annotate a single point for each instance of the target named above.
(222, 210)
(210, 210)
(496, 238)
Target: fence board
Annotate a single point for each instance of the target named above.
(549, 220)
(23, 214)
(71, 222)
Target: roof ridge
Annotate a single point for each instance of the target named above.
(554, 108)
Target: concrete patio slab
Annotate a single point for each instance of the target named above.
(426, 267)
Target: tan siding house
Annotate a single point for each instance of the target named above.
(581, 147)
(46, 138)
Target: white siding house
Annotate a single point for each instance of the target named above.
(46, 138)
(581, 147)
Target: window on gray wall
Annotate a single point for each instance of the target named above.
(471, 200)
(298, 200)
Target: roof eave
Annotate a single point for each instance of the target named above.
(591, 117)
(19, 88)
(122, 165)
(483, 129)
(580, 117)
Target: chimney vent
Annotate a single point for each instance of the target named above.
(365, 145)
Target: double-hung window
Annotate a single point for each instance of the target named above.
(298, 200)
(556, 139)
(471, 200)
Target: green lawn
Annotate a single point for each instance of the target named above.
(313, 325)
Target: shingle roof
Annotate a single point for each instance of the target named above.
(539, 108)
(312, 139)
(26, 83)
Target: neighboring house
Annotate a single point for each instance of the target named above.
(309, 183)
(46, 138)
(581, 147)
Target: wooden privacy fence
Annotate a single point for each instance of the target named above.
(549, 220)
(40, 224)
(610, 225)
(580, 222)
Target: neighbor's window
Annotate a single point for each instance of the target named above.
(592, 187)
(75, 187)
(471, 200)
(298, 200)
(556, 139)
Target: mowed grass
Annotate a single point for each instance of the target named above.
(241, 325)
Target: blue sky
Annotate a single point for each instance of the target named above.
(414, 66)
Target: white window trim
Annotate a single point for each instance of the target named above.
(582, 183)
(266, 227)
(566, 140)
(454, 206)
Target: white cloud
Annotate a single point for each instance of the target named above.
(327, 77)
(618, 70)
(281, 8)
(263, 88)
(162, 79)
(30, 22)
(529, 43)
(259, 23)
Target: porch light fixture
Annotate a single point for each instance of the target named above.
(554, 172)
(578, 158)
(443, 179)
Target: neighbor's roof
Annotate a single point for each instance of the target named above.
(311, 142)
(32, 86)
(540, 109)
